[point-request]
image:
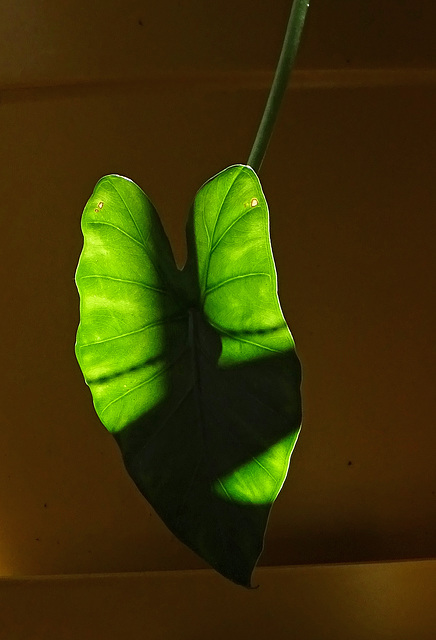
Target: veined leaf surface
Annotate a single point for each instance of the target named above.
(193, 371)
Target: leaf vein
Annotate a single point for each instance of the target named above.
(239, 339)
(264, 468)
(245, 275)
(220, 482)
(230, 226)
(114, 226)
(130, 212)
(206, 273)
(149, 253)
(131, 333)
(141, 384)
(140, 284)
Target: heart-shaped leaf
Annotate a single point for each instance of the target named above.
(193, 371)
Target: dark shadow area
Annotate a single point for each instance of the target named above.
(214, 421)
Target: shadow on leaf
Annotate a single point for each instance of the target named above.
(212, 458)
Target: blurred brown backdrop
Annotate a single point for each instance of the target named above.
(169, 94)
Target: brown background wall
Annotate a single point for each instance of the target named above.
(169, 94)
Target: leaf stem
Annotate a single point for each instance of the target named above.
(280, 82)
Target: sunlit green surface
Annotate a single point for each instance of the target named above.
(193, 371)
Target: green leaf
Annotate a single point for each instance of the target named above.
(193, 371)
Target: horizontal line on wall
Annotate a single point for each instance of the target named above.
(305, 79)
(332, 78)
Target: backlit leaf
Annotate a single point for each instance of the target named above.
(193, 371)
